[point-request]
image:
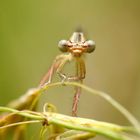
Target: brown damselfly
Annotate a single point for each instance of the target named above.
(73, 49)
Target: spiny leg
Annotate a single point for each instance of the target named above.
(59, 71)
(80, 65)
(65, 60)
(76, 101)
(80, 71)
(55, 66)
(47, 78)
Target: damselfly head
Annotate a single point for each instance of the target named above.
(77, 44)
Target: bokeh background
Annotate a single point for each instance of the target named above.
(29, 34)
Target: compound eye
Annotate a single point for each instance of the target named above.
(63, 45)
(90, 46)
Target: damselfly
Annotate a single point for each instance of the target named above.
(73, 49)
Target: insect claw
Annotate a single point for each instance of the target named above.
(64, 80)
(45, 84)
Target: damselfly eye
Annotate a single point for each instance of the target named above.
(63, 45)
(90, 46)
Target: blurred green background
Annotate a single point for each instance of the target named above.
(29, 34)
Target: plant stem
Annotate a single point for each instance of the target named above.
(22, 113)
(104, 95)
(109, 130)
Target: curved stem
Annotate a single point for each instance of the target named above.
(19, 123)
(22, 113)
(104, 95)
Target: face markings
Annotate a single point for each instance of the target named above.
(77, 45)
